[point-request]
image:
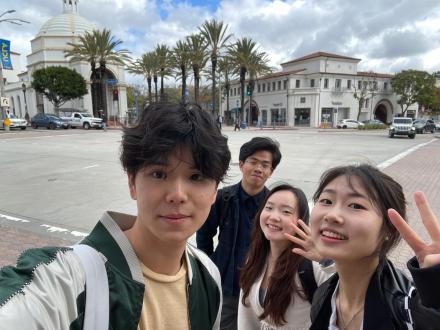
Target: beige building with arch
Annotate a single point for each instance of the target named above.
(47, 49)
(318, 88)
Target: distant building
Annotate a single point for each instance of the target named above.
(47, 49)
(316, 89)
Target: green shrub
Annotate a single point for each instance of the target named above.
(372, 126)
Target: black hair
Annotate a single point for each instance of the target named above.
(382, 190)
(261, 144)
(163, 127)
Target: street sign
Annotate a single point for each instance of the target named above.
(4, 102)
(112, 82)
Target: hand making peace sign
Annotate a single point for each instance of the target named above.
(427, 254)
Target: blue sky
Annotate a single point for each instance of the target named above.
(387, 35)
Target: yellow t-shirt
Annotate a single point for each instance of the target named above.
(165, 302)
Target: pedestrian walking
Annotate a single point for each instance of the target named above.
(104, 120)
(232, 216)
(237, 125)
(219, 122)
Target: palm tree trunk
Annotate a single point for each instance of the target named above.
(183, 69)
(162, 71)
(214, 65)
(251, 87)
(155, 87)
(242, 81)
(149, 90)
(196, 83)
(102, 70)
(94, 89)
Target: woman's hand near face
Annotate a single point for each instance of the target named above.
(304, 239)
(428, 255)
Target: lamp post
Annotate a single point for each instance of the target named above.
(23, 88)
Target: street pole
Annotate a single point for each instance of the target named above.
(2, 92)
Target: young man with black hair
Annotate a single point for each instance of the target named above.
(174, 158)
(232, 215)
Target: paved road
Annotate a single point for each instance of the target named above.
(56, 184)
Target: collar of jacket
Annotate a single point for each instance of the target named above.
(384, 302)
(108, 238)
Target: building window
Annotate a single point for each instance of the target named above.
(239, 90)
(359, 84)
(385, 85)
(312, 82)
(235, 91)
(274, 86)
(348, 84)
(326, 83)
(302, 99)
(365, 84)
(297, 83)
(263, 86)
(338, 84)
(259, 88)
(367, 103)
(375, 85)
(230, 92)
(279, 85)
(285, 84)
(268, 87)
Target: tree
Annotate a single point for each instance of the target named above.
(59, 84)
(198, 57)
(180, 62)
(413, 86)
(436, 102)
(225, 69)
(98, 46)
(146, 66)
(361, 93)
(162, 53)
(241, 54)
(216, 37)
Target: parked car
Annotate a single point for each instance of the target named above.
(349, 123)
(402, 126)
(437, 124)
(82, 119)
(373, 122)
(424, 125)
(15, 122)
(49, 121)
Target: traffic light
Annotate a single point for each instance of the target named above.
(248, 90)
(115, 95)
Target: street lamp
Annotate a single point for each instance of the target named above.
(17, 21)
(23, 88)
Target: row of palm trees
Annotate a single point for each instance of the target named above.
(189, 57)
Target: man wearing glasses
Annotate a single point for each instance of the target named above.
(232, 214)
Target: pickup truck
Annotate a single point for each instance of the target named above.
(83, 119)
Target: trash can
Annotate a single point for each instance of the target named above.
(243, 125)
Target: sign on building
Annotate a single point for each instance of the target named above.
(5, 54)
(4, 101)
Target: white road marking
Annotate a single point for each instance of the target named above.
(8, 217)
(394, 159)
(91, 166)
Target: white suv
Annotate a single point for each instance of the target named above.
(402, 126)
(349, 123)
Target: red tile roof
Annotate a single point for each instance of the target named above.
(320, 54)
(374, 74)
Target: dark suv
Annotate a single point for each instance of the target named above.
(424, 125)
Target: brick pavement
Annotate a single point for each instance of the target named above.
(419, 170)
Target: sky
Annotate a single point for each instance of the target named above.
(388, 35)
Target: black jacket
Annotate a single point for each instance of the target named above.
(388, 294)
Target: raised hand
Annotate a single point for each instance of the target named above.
(304, 240)
(427, 254)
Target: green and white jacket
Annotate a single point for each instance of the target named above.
(46, 290)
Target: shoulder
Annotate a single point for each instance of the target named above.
(207, 264)
(56, 272)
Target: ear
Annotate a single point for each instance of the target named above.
(240, 165)
(132, 186)
(214, 195)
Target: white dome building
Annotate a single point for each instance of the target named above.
(47, 49)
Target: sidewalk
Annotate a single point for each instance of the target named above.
(419, 170)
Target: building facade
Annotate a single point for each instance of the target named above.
(47, 49)
(318, 89)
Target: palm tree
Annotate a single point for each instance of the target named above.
(216, 38)
(242, 54)
(225, 69)
(98, 46)
(86, 50)
(198, 57)
(258, 65)
(146, 66)
(180, 62)
(162, 56)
